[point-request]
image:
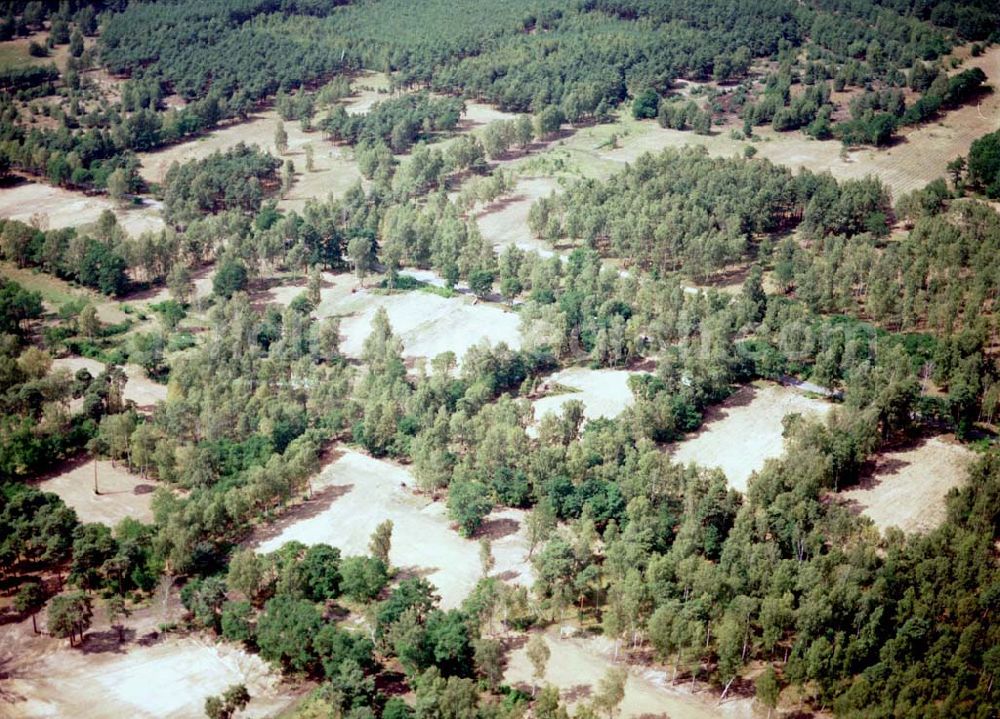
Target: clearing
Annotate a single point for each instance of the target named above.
(505, 221)
(576, 665)
(907, 488)
(333, 173)
(604, 392)
(354, 493)
(155, 677)
(741, 433)
(427, 323)
(56, 207)
(123, 494)
(139, 388)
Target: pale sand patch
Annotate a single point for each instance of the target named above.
(576, 666)
(123, 494)
(604, 392)
(59, 207)
(139, 388)
(362, 492)
(908, 487)
(479, 113)
(427, 324)
(505, 221)
(334, 170)
(170, 679)
(745, 430)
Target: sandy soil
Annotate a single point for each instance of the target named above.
(123, 494)
(745, 430)
(576, 665)
(365, 88)
(139, 388)
(354, 493)
(334, 169)
(428, 324)
(604, 392)
(505, 221)
(907, 488)
(171, 677)
(59, 207)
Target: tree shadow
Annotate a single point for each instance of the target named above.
(307, 509)
(576, 692)
(107, 642)
(494, 529)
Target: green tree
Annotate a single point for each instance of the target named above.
(69, 615)
(468, 504)
(538, 654)
(30, 598)
(381, 542)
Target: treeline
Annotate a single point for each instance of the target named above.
(236, 179)
(400, 122)
(685, 210)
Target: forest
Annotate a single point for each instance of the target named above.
(696, 273)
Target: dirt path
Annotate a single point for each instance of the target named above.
(355, 493)
(577, 664)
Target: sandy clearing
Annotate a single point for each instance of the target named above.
(479, 113)
(505, 221)
(139, 388)
(576, 665)
(604, 392)
(907, 488)
(59, 207)
(333, 173)
(745, 430)
(361, 492)
(170, 679)
(123, 494)
(427, 324)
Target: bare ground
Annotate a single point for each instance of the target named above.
(123, 494)
(354, 493)
(427, 324)
(907, 488)
(604, 392)
(577, 664)
(139, 388)
(57, 207)
(149, 675)
(505, 221)
(745, 430)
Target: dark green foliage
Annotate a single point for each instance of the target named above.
(984, 164)
(236, 179)
(401, 122)
(235, 622)
(646, 105)
(34, 527)
(230, 278)
(362, 578)
(286, 632)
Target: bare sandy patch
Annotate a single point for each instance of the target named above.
(479, 113)
(576, 665)
(367, 89)
(427, 324)
(604, 392)
(745, 430)
(354, 493)
(123, 494)
(171, 678)
(139, 388)
(907, 488)
(333, 170)
(58, 207)
(505, 222)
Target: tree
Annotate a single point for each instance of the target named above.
(361, 252)
(486, 559)
(70, 615)
(538, 654)
(646, 105)
(468, 504)
(363, 578)
(235, 698)
(381, 542)
(489, 661)
(481, 283)
(117, 611)
(767, 689)
(285, 633)
(310, 158)
(611, 690)
(89, 323)
(30, 598)
(230, 278)
(118, 186)
(280, 138)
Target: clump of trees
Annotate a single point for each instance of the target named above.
(401, 121)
